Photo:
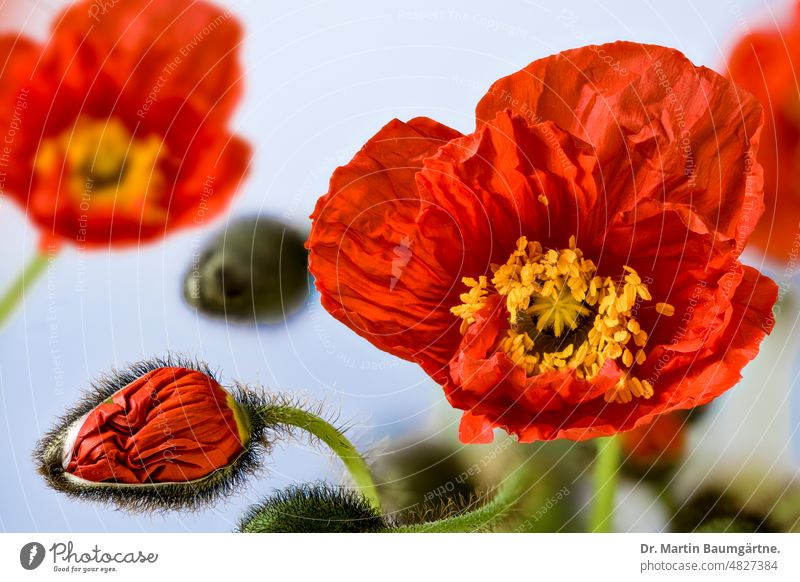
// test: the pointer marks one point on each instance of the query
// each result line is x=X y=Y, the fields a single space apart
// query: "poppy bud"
x=715 y=512
x=161 y=435
x=314 y=509
x=255 y=270
x=165 y=434
x=428 y=478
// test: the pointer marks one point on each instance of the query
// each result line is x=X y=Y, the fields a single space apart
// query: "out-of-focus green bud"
x=314 y=509
x=418 y=479
x=435 y=478
x=715 y=512
x=256 y=270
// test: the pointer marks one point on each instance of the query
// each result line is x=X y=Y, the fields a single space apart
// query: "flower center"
x=101 y=160
x=562 y=315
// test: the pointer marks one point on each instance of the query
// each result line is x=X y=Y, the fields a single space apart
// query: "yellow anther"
x=613 y=351
x=619 y=393
x=640 y=339
x=627 y=357
x=580 y=355
x=627 y=388
x=472 y=301
x=665 y=309
x=648 y=389
x=622 y=336
x=635 y=386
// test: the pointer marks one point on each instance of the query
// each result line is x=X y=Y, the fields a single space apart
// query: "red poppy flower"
x=114 y=130
x=171 y=425
x=570 y=269
x=767 y=63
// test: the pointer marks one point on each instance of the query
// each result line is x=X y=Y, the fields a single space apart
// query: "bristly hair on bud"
x=314 y=508
x=51 y=454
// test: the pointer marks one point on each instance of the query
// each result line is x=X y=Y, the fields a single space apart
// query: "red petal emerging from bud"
x=171 y=425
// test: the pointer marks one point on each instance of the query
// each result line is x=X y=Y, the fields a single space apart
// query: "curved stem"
x=331 y=436
x=19 y=287
x=477 y=520
x=605 y=484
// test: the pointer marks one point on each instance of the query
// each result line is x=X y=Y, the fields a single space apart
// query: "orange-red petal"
x=493 y=185
x=647 y=108
x=767 y=63
x=156 y=53
x=373 y=242
x=171 y=425
x=723 y=311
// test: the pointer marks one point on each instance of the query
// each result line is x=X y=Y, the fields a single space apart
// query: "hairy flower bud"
x=160 y=435
x=314 y=509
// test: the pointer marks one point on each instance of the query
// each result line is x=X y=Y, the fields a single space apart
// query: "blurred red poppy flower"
x=658 y=444
x=171 y=425
x=570 y=269
x=767 y=63
x=115 y=127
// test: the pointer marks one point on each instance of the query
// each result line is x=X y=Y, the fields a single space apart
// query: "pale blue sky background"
x=323 y=76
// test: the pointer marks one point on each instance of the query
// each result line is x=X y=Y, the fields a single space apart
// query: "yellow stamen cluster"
x=103 y=161
x=556 y=296
x=471 y=302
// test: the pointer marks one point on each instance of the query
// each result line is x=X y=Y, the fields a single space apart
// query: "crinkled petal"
x=650 y=113
x=511 y=179
x=382 y=260
x=486 y=384
x=170 y=425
